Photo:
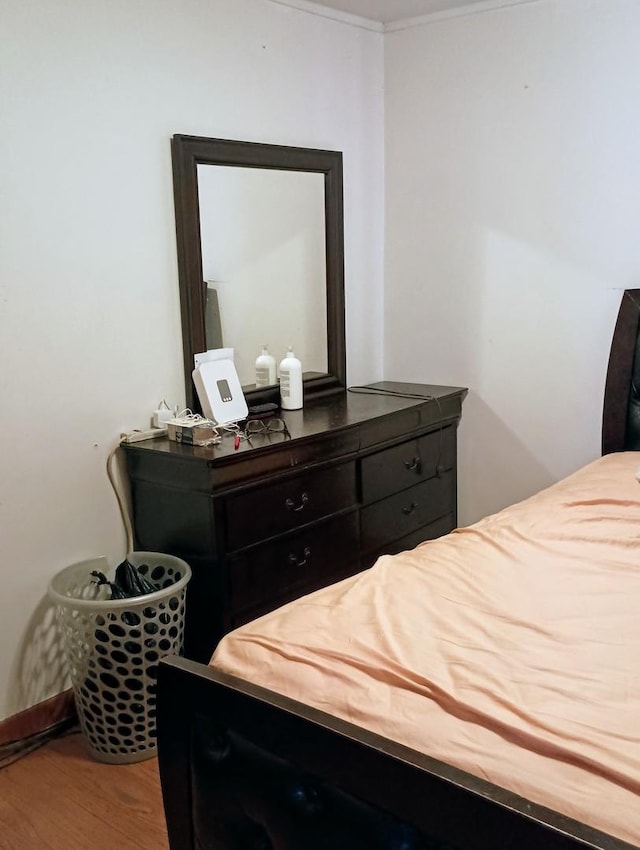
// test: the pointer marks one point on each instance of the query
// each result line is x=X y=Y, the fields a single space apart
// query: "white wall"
x=89 y=314
x=512 y=210
x=513 y=197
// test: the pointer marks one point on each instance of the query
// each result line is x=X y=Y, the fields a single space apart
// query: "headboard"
x=621 y=409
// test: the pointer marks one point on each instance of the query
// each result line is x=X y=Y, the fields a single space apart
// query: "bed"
x=426 y=704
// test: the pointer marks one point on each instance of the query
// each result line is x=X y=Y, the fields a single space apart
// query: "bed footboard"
x=242 y=767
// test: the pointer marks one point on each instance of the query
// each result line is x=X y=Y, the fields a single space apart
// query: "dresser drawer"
x=265 y=512
x=404 y=513
x=294 y=564
x=437 y=528
x=402 y=466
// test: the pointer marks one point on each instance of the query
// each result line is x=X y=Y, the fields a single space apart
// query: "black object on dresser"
x=360 y=474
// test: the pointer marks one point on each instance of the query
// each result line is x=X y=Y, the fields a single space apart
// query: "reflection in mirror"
x=262 y=234
x=288 y=234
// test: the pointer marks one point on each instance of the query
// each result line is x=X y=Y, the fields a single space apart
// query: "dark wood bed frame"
x=242 y=767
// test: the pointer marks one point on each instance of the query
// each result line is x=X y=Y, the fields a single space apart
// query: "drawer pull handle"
x=410 y=509
x=291 y=505
x=294 y=561
x=416 y=464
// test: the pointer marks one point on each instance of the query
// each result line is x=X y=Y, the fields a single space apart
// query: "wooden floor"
x=58 y=798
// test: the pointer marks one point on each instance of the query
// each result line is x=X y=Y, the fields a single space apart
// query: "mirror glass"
x=261 y=258
x=262 y=233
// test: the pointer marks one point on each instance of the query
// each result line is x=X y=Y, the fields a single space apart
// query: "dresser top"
x=365 y=415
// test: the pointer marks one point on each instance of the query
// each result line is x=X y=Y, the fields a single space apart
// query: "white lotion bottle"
x=265 y=369
x=290 y=382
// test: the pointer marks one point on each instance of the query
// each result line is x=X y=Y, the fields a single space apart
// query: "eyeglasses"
x=266 y=426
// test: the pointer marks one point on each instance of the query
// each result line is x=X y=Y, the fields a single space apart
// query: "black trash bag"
x=132 y=581
x=117 y=592
x=127 y=584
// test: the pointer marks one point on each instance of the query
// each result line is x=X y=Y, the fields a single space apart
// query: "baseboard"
x=39 y=717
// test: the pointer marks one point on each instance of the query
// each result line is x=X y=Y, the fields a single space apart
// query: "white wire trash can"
x=113 y=647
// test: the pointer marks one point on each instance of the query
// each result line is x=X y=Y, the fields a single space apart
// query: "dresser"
x=359 y=474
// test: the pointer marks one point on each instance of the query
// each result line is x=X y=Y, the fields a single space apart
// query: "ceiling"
x=388 y=11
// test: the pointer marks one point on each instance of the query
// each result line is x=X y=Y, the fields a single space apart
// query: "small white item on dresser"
x=162 y=415
x=219 y=391
x=291 y=382
x=265 y=368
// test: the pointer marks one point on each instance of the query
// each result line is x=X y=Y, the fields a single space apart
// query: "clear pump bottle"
x=290 y=382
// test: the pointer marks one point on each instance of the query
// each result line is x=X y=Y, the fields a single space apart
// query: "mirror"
x=261 y=258
x=264 y=255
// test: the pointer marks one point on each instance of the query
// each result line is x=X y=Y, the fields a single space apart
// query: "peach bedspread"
x=510 y=649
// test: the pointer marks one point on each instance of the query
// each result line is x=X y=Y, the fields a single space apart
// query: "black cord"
x=383 y=391
x=365 y=390
x=12 y=751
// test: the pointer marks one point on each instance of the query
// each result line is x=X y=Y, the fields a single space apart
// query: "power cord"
x=122 y=505
x=13 y=751
x=369 y=390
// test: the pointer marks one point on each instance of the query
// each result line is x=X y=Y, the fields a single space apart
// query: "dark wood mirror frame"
x=190 y=151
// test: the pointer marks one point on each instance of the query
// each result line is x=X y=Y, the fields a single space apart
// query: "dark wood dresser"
x=360 y=474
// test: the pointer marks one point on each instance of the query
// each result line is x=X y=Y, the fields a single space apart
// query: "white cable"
x=124 y=512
